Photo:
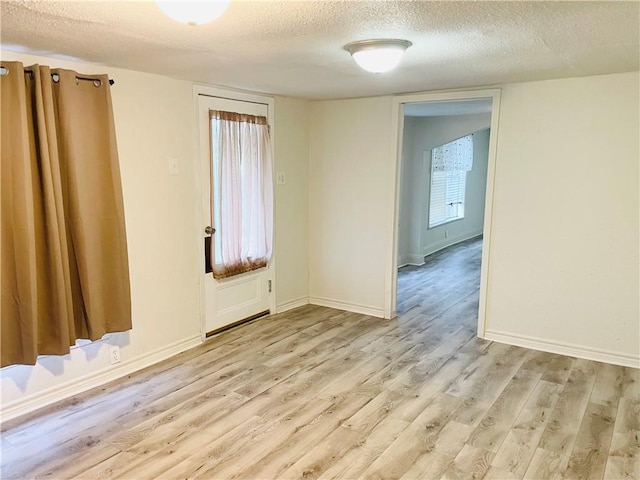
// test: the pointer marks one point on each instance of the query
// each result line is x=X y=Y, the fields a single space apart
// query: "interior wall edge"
x=433 y=248
x=563 y=348
x=291 y=304
x=410 y=259
x=346 y=306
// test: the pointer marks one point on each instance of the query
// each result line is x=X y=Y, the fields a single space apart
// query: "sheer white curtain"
x=242 y=193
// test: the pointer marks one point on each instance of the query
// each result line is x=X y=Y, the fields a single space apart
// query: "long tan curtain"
x=242 y=193
x=65 y=273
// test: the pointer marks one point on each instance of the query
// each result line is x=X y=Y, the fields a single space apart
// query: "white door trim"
x=243 y=97
x=397 y=126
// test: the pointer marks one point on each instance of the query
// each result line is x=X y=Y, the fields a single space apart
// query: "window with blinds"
x=449 y=166
x=447 y=197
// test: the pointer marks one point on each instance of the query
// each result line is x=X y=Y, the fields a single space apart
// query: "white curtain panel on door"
x=454 y=156
x=242 y=193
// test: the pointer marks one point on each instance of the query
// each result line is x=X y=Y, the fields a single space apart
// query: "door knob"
x=209 y=230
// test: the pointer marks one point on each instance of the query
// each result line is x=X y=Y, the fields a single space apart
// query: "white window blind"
x=447 y=192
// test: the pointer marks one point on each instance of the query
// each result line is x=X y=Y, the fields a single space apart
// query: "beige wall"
x=350 y=202
x=154 y=120
x=564 y=257
x=291 y=144
x=563 y=262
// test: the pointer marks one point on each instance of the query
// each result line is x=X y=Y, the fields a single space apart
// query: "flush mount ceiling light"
x=378 y=56
x=193 y=12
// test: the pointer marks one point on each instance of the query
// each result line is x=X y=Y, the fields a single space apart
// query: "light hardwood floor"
x=320 y=393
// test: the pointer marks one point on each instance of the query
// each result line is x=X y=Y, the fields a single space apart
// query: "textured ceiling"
x=294 y=48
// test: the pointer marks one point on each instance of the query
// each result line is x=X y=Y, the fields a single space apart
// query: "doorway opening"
x=446 y=164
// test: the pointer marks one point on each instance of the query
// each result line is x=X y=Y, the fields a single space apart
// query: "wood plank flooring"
x=320 y=393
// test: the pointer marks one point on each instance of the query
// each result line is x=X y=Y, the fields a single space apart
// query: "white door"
x=232 y=300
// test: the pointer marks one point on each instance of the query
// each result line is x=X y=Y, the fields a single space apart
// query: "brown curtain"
x=65 y=271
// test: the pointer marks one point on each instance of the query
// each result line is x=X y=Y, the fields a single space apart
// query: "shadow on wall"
x=58 y=365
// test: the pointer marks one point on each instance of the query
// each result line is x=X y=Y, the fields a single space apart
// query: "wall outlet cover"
x=114 y=354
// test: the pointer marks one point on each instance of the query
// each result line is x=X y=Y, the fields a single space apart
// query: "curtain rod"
x=54 y=75
x=4 y=71
x=111 y=81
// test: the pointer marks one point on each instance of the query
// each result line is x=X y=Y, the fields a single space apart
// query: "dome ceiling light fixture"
x=193 y=12
x=378 y=56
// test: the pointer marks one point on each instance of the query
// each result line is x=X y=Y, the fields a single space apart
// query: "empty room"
x=320 y=239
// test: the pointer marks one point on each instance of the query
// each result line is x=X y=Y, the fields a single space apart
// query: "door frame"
x=397 y=128
x=240 y=96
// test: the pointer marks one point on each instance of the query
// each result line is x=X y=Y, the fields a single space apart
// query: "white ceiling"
x=294 y=48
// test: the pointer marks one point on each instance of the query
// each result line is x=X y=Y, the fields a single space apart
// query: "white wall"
x=564 y=255
x=291 y=143
x=154 y=120
x=415 y=239
x=563 y=262
x=563 y=268
x=350 y=203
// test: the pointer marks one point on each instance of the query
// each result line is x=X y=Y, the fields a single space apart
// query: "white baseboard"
x=447 y=242
x=415 y=260
x=68 y=389
x=349 y=307
x=290 y=305
x=571 y=350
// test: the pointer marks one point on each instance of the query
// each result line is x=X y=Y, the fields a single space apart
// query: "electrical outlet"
x=114 y=354
x=446 y=234
x=281 y=178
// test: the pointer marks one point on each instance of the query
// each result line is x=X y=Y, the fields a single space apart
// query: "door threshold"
x=238 y=323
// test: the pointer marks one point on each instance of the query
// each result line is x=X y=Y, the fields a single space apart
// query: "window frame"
x=447 y=220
